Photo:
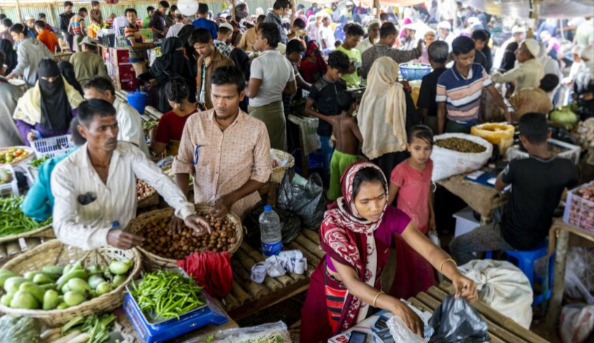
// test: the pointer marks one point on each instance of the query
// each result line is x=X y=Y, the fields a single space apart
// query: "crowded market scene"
x=275 y=171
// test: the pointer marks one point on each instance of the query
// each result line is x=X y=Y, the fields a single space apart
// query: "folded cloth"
x=291 y=261
x=211 y=270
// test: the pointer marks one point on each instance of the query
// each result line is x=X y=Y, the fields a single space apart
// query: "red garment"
x=414 y=273
x=354 y=242
x=171 y=127
x=313 y=67
x=211 y=270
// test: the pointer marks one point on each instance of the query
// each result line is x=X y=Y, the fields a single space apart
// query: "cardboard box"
x=119 y=55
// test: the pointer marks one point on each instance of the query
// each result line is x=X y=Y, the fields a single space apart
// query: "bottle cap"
x=115 y=224
x=267 y=208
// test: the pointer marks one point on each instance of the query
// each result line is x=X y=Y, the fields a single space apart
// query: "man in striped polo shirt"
x=460 y=88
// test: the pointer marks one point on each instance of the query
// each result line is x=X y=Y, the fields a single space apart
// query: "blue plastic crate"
x=414 y=71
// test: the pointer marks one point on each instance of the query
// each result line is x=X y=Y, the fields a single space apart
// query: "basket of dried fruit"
x=162 y=247
x=281 y=161
x=457 y=153
x=146 y=195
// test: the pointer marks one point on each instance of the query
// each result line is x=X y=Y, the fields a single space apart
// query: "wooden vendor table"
x=481 y=199
x=559 y=241
x=248 y=297
x=501 y=328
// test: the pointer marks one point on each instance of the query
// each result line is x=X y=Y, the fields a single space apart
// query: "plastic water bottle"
x=270 y=232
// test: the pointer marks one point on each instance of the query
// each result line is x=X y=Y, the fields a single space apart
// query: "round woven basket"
x=45 y=232
x=152 y=261
x=55 y=253
x=148 y=199
x=279 y=172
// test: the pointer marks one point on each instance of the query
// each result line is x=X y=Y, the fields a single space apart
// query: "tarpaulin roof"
x=548 y=8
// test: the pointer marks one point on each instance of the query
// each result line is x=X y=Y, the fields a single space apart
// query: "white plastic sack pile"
x=401 y=333
x=577 y=323
x=448 y=162
x=502 y=286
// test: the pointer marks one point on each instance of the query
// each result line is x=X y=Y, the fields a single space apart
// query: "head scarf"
x=11 y=55
x=55 y=108
x=349 y=239
x=67 y=70
x=171 y=63
x=382 y=113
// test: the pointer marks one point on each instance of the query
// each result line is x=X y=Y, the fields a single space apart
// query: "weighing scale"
x=151 y=330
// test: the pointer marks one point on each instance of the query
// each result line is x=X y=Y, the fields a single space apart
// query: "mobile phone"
x=381 y=324
x=358 y=337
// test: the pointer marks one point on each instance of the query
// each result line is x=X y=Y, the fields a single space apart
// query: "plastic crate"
x=572 y=153
x=53 y=146
x=579 y=212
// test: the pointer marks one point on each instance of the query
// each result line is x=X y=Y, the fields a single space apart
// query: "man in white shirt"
x=95 y=186
x=327 y=39
x=30 y=52
x=373 y=29
x=175 y=28
x=129 y=121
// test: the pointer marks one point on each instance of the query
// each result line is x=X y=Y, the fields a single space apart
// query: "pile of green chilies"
x=12 y=219
x=167 y=294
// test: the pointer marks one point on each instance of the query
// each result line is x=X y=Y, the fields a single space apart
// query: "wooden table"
x=559 y=241
x=481 y=199
x=248 y=297
x=501 y=328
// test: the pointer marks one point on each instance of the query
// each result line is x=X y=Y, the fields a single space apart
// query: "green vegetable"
x=65 y=289
x=62 y=306
x=5 y=274
x=118 y=280
x=98 y=327
x=94 y=270
x=37 y=162
x=42 y=278
x=73 y=298
x=76 y=321
x=566 y=116
x=30 y=275
x=34 y=290
x=12 y=219
x=95 y=280
x=19 y=329
x=68 y=337
x=167 y=294
x=50 y=300
x=103 y=288
x=57 y=270
x=24 y=300
x=120 y=267
x=74 y=273
x=11 y=285
x=6 y=299
x=78 y=285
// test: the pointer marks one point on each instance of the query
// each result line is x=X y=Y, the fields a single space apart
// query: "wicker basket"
x=45 y=232
x=153 y=262
x=54 y=252
x=279 y=172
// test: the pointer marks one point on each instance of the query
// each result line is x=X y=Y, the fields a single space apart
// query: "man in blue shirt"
x=203 y=22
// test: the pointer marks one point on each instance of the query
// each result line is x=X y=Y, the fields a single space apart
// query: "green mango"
x=11 y=285
x=42 y=278
x=78 y=285
x=50 y=300
x=62 y=306
x=33 y=289
x=6 y=299
x=4 y=275
x=24 y=300
x=73 y=298
x=95 y=280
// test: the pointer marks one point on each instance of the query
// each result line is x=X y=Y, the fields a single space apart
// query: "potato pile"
x=163 y=242
x=461 y=145
x=143 y=189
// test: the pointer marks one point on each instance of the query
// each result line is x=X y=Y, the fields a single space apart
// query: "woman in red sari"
x=356 y=236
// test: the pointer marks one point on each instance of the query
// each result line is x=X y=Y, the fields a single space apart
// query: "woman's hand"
x=464 y=287
x=408 y=317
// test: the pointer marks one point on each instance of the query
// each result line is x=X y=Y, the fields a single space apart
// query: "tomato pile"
x=12 y=155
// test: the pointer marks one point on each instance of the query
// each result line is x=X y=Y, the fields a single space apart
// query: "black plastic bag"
x=291 y=225
x=307 y=200
x=455 y=321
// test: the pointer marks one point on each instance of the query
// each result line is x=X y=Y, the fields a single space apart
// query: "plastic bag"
x=502 y=286
x=401 y=333
x=290 y=230
x=449 y=162
x=303 y=197
x=579 y=274
x=274 y=332
x=455 y=321
x=577 y=323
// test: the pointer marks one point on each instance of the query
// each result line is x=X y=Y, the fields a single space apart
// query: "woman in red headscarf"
x=356 y=236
